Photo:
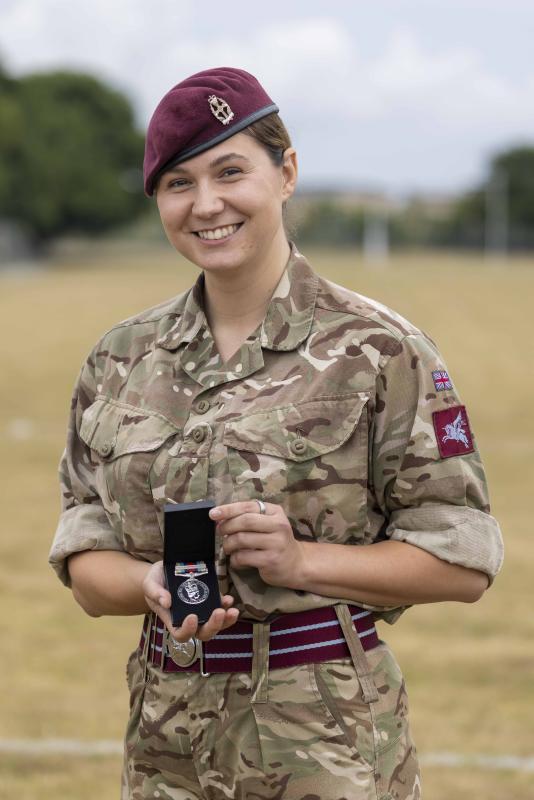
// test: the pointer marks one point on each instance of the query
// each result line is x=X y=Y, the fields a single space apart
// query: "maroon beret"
x=200 y=112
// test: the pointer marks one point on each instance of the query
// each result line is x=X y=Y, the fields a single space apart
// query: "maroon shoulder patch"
x=453 y=432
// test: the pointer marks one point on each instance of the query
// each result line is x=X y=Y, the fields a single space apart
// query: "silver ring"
x=261 y=505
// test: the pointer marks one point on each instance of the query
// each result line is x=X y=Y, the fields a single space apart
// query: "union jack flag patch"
x=441 y=380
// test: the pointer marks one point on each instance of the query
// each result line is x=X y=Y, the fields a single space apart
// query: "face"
x=222 y=210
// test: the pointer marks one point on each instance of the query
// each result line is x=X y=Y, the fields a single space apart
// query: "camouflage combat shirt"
x=328 y=409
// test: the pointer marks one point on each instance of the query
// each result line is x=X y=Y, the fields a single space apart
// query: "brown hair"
x=272 y=134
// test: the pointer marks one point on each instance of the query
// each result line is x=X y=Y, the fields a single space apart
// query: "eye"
x=230 y=171
x=177 y=183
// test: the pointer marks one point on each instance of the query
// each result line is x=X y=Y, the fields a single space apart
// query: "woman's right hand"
x=158 y=599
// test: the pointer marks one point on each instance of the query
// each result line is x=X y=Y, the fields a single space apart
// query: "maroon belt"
x=304 y=637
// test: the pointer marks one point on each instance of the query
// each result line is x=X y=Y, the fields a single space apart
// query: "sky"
x=393 y=95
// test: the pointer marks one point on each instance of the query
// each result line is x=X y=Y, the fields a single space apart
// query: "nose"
x=207 y=201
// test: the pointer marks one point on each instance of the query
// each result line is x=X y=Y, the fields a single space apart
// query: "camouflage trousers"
x=312 y=736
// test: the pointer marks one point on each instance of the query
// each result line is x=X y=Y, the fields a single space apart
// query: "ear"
x=289 y=172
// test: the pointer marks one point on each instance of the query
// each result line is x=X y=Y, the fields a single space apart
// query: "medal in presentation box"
x=189 y=560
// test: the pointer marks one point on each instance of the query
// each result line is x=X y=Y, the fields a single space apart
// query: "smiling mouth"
x=218 y=233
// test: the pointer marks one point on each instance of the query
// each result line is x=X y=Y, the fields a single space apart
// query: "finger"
x=230 y=510
x=246 y=540
x=165 y=617
x=250 y=558
x=190 y=627
x=247 y=521
x=212 y=627
x=157 y=593
x=156 y=569
x=155 y=575
x=186 y=630
x=231 y=618
x=218 y=620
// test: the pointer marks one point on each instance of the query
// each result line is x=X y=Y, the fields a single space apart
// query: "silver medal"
x=192 y=591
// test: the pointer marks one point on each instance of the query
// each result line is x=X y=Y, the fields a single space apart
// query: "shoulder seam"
x=127 y=322
x=400 y=340
x=395 y=333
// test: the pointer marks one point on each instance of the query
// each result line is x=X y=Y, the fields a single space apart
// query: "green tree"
x=70 y=155
x=328 y=223
x=465 y=226
x=11 y=131
x=517 y=170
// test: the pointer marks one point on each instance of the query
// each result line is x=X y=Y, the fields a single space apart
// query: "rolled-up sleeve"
x=83 y=523
x=433 y=494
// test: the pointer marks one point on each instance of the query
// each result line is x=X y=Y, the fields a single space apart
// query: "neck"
x=238 y=300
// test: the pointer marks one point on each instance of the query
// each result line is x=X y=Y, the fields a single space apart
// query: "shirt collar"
x=182 y=326
x=290 y=312
x=288 y=319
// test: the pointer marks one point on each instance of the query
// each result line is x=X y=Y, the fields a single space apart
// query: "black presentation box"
x=189 y=549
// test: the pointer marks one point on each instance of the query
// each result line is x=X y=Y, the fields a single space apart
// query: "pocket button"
x=199 y=434
x=202 y=406
x=298 y=447
x=106 y=449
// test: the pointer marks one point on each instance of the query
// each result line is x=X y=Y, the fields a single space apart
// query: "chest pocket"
x=124 y=444
x=309 y=457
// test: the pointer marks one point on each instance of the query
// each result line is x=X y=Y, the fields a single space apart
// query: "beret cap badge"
x=182 y=127
x=220 y=109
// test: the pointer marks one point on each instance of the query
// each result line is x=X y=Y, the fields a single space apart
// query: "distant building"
x=367 y=217
x=344 y=198
x=433 y=203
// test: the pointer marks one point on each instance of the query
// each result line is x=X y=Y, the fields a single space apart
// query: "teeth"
x=218 y=233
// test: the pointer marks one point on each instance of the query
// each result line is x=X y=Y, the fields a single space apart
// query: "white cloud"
x=453 y=87
x=406 y=69
x=116 y=40
x=295 y=59
x=402 y=93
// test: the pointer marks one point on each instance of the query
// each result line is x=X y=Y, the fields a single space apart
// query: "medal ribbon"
x=191 y=569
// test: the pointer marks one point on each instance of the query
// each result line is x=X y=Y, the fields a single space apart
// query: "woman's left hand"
x=264 y=541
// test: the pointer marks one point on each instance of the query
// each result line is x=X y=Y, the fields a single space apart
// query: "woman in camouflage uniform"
x=319 y=421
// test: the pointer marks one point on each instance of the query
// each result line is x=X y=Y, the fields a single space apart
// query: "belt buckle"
x=184 y=654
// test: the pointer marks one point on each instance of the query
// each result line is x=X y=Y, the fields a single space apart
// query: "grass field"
x=469 y=668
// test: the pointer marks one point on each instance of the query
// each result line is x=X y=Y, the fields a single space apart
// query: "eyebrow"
x=216 y=162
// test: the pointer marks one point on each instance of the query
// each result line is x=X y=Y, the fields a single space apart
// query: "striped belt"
x=303 y=637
